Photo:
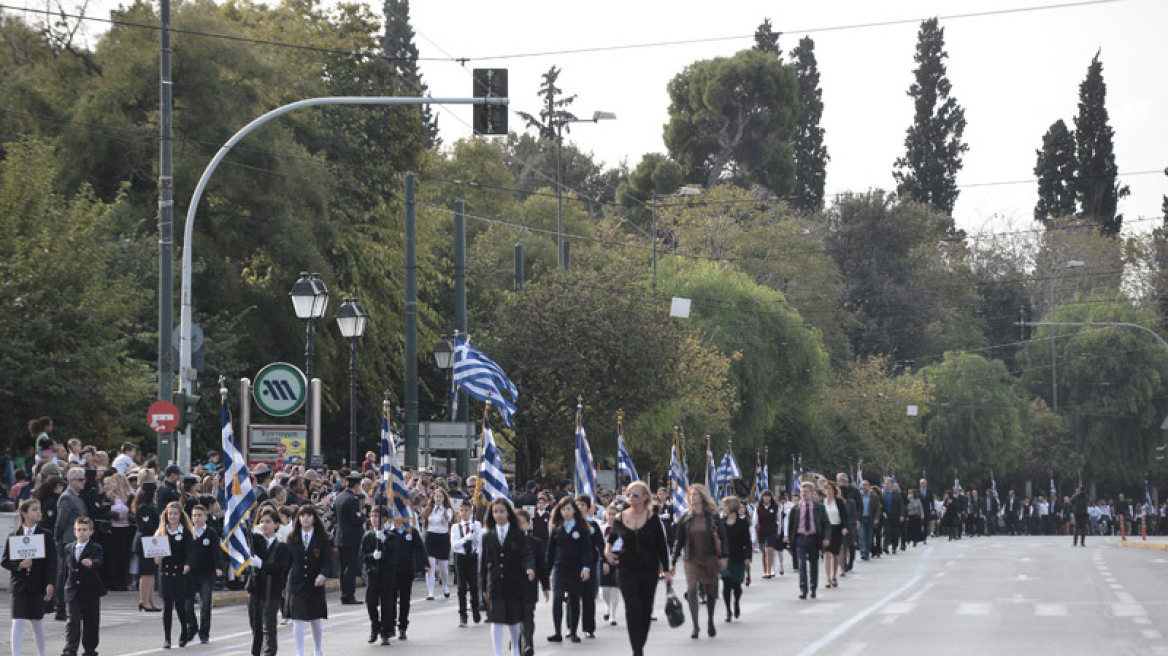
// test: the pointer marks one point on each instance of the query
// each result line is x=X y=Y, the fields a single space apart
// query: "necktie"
x=807 y=518
x=465 y=533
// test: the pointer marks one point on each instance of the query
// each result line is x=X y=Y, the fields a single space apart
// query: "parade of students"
x=270 y=563
x=532 y=586
x=33 y=579
x=84 y=589
x=837 y=531
x=205 y=557
x=311 y=565
x=738 y=551
x=569 y=556
x=378 y=556
x=700 y=538
x=172 y=570
x=465 y=543
x=506 y=562
x=436 y=519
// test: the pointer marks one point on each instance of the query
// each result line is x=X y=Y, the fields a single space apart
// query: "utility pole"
x=165 y=447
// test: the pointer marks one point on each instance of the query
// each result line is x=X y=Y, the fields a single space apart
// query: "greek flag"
x=585 y=478
x=728 y=470
x=391 y=474
x=1148 y=505
x=678 y=483
x=796 y=477
x=993 y=485
x=859 y=473
x=492 y=481
x=481 y=378
x=712 y=475
x=239 y=494
x=1053 y=489
x=624 y=461
x=956 y=481
x=760 y=480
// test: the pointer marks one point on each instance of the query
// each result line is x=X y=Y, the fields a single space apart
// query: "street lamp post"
x=310 y=299
x=684 y=191
x=1072 y=264
x=351 y=319
x=444 y=358
x=596 y=118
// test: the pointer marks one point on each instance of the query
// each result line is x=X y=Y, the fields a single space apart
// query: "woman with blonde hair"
x=701 y=537
x=172 y=570
x=436 y=519
x=119 y=544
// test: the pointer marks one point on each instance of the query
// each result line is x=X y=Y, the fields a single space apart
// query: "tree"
x=397 y=45
x=766 y=39
x=1055 y=171
x=732 y=119
x=810 y=152
x=928 y=171
x=1096 y=188
x=554 y=113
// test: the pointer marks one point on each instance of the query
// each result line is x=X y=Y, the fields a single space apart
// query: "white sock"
x=497 y=638
x=317 y=635
x=514 y=629
x=444 y=574
x=17 y=636
x=298 y=636
x=430 y=577
x=38 y=635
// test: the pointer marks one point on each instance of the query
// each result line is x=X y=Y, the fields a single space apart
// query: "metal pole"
x=352 y=402
x=165 y=444
x=411 y=325
x=654 y=237
x=1053 y=350
x=560 y=194
x=309 y=352
x=459 y=408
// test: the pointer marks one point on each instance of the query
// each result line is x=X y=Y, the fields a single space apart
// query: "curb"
x=237 y=597
x=1150 y=546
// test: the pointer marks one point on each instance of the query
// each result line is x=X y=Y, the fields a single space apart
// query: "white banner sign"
x=21 y=547
x=155 y=546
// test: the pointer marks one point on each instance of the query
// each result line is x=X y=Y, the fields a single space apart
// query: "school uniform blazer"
x=43 y=570
x=308 y=562
x=204 y=554
x=504 y=566
x=411 y=553
x=542 y=571
x=570 y=552
x=84 y=582
x=385 y=569
x=268 y=580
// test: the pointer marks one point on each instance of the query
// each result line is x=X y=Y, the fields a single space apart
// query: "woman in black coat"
x=270 y=562
x=32 y=579
x=570 y=555
x=311 y=558
x=172 y=570
x=507 y=562
x=146 y=517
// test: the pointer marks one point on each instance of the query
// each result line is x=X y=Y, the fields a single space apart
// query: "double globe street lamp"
x=351 y=319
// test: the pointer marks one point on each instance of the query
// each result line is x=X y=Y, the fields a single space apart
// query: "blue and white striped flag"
x=585 y=476
x=956 y=481
x=759 y=481
x=1053 y=489
x=481 y=378
x=624 y=460
x=712 y=475
x=728 y=470
x=240 y=496
x=993 y=485
x=678 y=483
x=397 y=501
x=1149 y=506
x=492 y=480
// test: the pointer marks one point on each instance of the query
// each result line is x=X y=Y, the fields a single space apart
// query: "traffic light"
x=188 y=409
x=490 y=83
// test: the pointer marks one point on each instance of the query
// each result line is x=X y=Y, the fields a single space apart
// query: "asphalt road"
x=1017 y=595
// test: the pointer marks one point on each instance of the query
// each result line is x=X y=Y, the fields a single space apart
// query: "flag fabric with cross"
x=239 y=494
x=678 y=485
x=624 y=461
x=585 y=474
x=481 y=378
x=728 y=470
x=392 y=479
x=492 y=481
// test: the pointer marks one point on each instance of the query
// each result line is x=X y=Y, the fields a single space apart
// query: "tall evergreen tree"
x=766 y=38
x=1096 y=188
x=1055 y=171
x=398 y=46
x=554 y=111
x=928 y=171
x=810 y=152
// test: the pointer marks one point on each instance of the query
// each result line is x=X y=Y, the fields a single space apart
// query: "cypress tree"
x=1096 y=187
x=810 y=152
x=928 y=171
x=1055 y=171
x=766 y=38
x=398 y=46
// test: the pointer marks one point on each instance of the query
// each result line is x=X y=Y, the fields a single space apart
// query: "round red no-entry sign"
x=162 y=416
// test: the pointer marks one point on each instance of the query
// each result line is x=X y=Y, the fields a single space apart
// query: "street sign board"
x=271 y=435
x=280 y=389
x=162 y=416
x=446 y=435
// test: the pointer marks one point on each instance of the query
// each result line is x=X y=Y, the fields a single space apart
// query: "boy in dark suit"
x=378 y=555
x=84 y=589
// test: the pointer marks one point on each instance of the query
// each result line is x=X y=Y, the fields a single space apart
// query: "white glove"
x=377 y=554
x=257 y=562
x=380 y=534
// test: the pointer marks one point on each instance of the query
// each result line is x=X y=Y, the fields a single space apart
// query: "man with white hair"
x=69 y=507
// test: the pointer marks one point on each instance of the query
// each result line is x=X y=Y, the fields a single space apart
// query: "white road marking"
x=1128 y=610
x=820 y=609
x=916 y=596
x=898 y=608
x=973 y=609
x=1151 y=634
x=1141 y=620
x=890 y=619
x=950 y=563
x=1125 y=598
x=233 y=649
x=854 y=649
x=1050 y=610
x=939 y=574
x=1116 y=586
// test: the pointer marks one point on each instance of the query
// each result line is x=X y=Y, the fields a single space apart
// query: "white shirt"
x=463 y=533
x=78 y=549
x=833 y=515
x=306 y=536
x=122 y=463
x=501 y=531
x=439 y=520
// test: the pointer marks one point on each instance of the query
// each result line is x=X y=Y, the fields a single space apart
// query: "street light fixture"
x=596 y=118
x=310 y=299
x=684 y=191
x=351 y=319
x=444 y=358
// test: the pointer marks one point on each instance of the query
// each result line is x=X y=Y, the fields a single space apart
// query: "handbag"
x=673 y=610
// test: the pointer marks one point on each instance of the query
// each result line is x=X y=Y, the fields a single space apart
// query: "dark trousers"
x=892 y=534
x=200 y=623
x=527 y=628
x=118 y=549
x=878 y=538
x=350 y=566
x=84 y=622
x=807 y=556
x=466 y=572
x=566 y=593
x=1081 y=525
x=637 y=593
x=178 y=607
x=62 y=579
x=913 y=530
x=588 y=591
x=399 y=602
x=379 y=605
x=261 y=613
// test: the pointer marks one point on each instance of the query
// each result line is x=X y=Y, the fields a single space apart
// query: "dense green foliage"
x=1096 y=187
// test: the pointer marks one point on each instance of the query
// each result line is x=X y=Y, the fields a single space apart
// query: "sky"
x=1015 y=73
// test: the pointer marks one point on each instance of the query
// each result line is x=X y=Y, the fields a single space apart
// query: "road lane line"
x=842 y=628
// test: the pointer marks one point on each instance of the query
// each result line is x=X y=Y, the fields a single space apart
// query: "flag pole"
x=620 y=421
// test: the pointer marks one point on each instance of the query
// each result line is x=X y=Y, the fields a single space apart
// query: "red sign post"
x=162 y=416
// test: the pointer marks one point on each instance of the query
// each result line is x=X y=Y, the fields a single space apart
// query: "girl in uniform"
x=766 y=527
x=507 y=562
x=32 y=579
x=270 y=562
x=311 y=564
x=172 y=570
x=436 y=520
x=570 y=556
x=738 y=551
x=146 y=517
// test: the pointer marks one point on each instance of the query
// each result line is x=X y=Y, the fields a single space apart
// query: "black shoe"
x=462 y=621
x=204 y=641
x=385 y=640
x=695 y=634
x=728 y=616
x=574 y=638
x=373 y=636
x=589 y=634
x=530 y=651
x=166 y=645
x=813 y=594
x=711 y=630
x=401 y=635
x=802 y=595
x=61 y=617
x=556 y=638
x=606 y=617
x=477 y=618
x=182 y=643
x=737 y=609
x=351 y=601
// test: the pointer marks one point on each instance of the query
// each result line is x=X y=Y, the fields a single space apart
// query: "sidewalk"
x=1158 y=543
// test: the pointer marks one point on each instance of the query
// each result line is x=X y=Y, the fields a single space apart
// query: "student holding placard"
x=172 y=570
x=32 y=577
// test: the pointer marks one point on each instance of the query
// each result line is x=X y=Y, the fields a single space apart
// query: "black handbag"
x=673 y=609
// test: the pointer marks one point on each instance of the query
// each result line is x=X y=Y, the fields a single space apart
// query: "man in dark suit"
x=168 y=490
x=350 y=522
x=807 y=524
x=929 y=524
x=69 y=507
x=1013 y=510
x=990 y=508
x=869 y=512
x=84 y=589
x=893 y=516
